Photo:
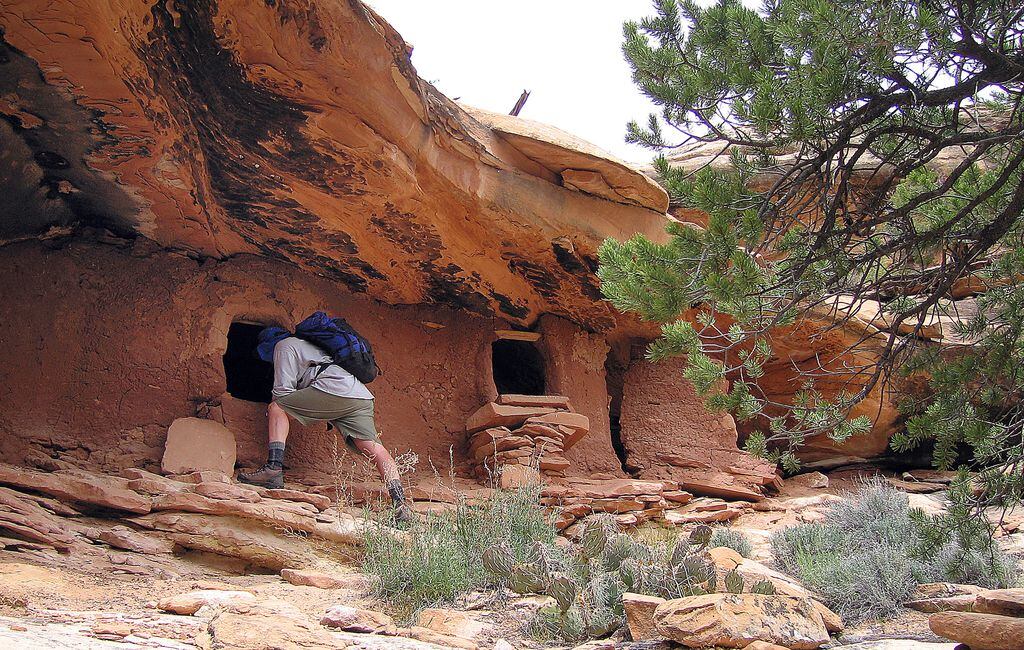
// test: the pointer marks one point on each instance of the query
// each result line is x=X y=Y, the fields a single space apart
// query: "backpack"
x=346 y=346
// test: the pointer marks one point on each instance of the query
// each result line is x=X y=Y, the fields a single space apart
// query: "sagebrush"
x=441 y=559
x=870 y=552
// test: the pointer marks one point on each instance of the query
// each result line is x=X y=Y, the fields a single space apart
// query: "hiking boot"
x=265 y=476
x=405 y=516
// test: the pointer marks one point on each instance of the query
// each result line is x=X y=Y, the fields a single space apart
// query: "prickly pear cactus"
x=527 y=579
x=701 y=536
x=763 y=587
x=593 y=541
x=564 y=591
x=498 y=560
x=734 y=582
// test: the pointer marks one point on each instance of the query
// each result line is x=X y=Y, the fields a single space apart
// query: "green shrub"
x=871 y=551
x=442 y=558
x=733 y=539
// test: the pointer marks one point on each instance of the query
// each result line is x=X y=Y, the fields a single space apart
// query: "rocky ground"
x=144 y=561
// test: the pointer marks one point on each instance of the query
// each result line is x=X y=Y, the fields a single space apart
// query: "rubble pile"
x=523 y=431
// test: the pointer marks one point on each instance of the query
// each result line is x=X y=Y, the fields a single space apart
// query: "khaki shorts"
x=352 y=417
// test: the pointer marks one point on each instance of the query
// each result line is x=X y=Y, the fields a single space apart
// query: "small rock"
x=189 y=603
x=353 y=619
x=111 y=629
x=502 y=644
x=764 y=645
x=307 y=578
x=450 y=622
x=445 y=641
x=812 y=480
x=640 y=615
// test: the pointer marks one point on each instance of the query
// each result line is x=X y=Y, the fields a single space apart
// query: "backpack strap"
x=320 y=367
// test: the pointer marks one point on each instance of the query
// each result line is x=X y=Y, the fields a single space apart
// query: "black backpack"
x=347 y=347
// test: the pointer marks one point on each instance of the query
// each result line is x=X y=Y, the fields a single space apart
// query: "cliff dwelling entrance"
x=248 y=377
x=518 y=367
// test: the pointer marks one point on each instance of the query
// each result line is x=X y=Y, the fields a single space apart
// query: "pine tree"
x=829 y=113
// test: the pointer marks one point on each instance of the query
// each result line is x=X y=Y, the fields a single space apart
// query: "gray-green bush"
x=734 y=539
x=870 y=552
x=441 y=559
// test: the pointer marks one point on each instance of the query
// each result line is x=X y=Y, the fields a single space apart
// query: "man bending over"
x=310 y=388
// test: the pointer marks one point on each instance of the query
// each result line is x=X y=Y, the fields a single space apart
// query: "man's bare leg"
x=271 y=475
x=388 y=471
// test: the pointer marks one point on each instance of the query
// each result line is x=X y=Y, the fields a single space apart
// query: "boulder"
x=640 y=615
x=1007 y=602
x=736 y=620
x=764 y=645
x=498 y=415
x=77 y=486
x=195 y=444
x=450 y=622
x=979 y=631
x=189 y=603
x=267 y=625
x=354 y=619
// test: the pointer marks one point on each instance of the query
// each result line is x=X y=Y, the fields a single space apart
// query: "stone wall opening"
x=615 y=374
x=518 y=368
x=248 y=377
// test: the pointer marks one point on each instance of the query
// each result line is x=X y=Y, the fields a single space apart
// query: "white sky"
x=566 y=52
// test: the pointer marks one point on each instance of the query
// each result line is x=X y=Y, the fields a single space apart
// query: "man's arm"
x=286 y=370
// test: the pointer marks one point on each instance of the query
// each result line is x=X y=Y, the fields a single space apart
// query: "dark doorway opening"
x=518 y=368
x=615 y=379
x=248 y=377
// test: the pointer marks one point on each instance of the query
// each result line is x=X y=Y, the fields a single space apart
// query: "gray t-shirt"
x=292 y=371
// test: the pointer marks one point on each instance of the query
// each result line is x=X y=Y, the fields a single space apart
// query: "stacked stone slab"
x=633 y=502
x=523 y=431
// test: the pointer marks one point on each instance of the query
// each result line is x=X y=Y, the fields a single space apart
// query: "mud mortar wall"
x=668 y=434
x=104 y=345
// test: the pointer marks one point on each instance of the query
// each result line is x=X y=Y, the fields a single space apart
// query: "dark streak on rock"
x=408 y=233
x=37 y=160
x=445 y=286
x=246 y=132
x=541 y=279
x=508 y=306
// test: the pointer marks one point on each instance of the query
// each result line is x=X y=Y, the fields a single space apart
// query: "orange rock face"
x=299 y=132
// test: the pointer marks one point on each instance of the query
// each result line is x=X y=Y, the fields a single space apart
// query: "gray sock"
x=395 y=490
x=275 y=457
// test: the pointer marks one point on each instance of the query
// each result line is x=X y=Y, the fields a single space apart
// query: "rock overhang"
x=301 y=132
